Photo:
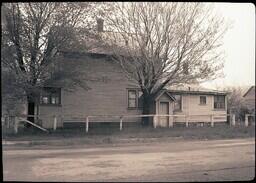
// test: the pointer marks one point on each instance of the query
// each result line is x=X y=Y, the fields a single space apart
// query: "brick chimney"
x=100 y=23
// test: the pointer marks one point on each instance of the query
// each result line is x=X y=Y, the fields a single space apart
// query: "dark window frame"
x=132 y=90
x=219 y=102
x=138 y=100
x=51 y=93
x=202 y=102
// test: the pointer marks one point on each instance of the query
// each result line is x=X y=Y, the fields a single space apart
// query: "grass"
x=108 y=135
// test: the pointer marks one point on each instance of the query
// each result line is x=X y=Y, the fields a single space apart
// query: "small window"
x=51 y=96
x=131 y=98
x=202 y=100
x=45 y=99
x=219 y=102
x=178 y=103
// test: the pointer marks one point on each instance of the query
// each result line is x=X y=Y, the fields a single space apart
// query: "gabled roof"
x=252 y=87
x=159 y=94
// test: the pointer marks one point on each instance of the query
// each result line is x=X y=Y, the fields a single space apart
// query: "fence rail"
x=86 y=119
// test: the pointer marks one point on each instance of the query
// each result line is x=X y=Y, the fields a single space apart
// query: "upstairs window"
x=51 y=96
x=202 y=100
x=219 y=102
x=178 y=103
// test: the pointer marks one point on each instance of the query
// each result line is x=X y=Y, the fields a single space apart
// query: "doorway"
x=164 y=109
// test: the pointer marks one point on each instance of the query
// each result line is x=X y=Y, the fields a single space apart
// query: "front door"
x=164 y=109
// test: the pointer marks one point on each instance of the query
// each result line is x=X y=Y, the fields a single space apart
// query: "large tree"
x=165 y=44
x=33 y=36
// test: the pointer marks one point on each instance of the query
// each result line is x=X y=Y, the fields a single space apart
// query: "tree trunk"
x=147 y=104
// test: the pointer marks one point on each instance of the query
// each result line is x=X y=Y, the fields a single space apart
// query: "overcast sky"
x=239 y=45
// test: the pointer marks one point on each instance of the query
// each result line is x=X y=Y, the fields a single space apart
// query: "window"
x=131 y=98
x=178 y=102
x=202 y=100
x=135 y=98
x=219 y=102
x=50 y=96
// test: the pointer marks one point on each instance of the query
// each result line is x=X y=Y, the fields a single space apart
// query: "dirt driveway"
x=212 y=160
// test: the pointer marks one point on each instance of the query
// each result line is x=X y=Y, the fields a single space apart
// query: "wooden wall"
x=191 y=106
x=107 y=96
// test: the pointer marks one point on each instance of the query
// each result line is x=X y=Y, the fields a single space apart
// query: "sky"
x=239 y=46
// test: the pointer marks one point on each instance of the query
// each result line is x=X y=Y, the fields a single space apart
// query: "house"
x=249 y=98
x=112 y=93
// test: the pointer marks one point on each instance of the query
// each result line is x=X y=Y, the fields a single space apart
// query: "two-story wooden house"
x=112 y=93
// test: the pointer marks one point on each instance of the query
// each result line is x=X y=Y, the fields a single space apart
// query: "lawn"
x=133 y=134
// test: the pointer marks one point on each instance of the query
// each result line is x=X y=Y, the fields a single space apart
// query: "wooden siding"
x=191 y=106
x=107 y=96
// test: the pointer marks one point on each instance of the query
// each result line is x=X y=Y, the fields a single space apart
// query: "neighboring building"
x=249 y=97
x=112 y=93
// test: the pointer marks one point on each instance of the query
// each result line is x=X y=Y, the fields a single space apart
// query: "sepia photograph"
x=128 y=91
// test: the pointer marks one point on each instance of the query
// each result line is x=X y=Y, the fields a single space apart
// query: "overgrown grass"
x=146 y=134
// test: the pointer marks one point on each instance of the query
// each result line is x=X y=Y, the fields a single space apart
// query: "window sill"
x=177 y=110
x=201 y=104
x=222 y=109
x=133 y=108
x=51 y=105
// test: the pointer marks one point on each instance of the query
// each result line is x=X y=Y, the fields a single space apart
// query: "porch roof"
x=159 y=94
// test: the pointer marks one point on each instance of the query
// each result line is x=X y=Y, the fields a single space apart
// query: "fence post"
x=170 y=121
x=87 y=124
x=154 y=121
x=246 y=120
x=16 y=123
x=233 y=120
x=121 y=123
x=55 y=123
x=186 y=117
x=212 y=121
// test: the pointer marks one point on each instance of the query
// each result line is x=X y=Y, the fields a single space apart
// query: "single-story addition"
x=112 y=93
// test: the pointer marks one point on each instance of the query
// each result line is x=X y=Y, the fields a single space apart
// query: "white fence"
x=88 y=119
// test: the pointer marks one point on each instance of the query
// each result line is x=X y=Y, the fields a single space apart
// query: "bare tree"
x=236 y=103
x=165 y=44
x=33 y=36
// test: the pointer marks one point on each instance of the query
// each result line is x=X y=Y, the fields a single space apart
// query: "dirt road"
x=212 y=160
